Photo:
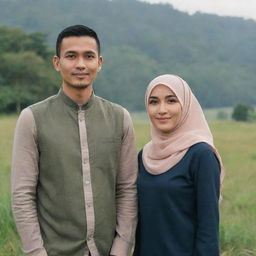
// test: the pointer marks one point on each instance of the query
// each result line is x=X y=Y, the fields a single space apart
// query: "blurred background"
x=214 y=54
x=210 y=44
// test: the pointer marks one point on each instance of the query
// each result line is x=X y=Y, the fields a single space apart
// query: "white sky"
x=239 y=8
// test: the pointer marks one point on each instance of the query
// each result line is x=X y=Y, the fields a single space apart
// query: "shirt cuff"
x=39 y=252
x=120 y=247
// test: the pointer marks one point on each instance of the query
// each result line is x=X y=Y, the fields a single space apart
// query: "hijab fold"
x=166 y=150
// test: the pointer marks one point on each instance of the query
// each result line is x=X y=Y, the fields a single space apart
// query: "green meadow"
x=236 y=143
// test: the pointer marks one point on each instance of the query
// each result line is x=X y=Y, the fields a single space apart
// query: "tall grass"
x=9 y=242
x=236 y=143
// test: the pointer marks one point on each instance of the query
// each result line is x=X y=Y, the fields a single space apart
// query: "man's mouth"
x=80 y=74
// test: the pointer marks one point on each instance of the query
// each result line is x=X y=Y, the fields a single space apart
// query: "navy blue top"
x=178 y=209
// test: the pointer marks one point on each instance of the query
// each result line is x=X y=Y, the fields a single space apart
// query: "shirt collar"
x=73 y=104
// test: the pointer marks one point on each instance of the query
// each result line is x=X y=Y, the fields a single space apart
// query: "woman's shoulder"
x=202 y=156
x=201 y=148
x=201 y=152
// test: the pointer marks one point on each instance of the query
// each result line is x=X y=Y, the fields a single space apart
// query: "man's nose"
x=80 y=63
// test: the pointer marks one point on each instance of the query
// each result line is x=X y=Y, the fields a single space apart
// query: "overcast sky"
x=240 y=8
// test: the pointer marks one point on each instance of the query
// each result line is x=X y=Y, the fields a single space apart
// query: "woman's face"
x=164 y=109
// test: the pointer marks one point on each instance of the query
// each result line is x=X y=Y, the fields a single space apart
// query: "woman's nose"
x=162 y=108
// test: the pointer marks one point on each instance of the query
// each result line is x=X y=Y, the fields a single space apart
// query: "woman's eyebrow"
x=167 y=96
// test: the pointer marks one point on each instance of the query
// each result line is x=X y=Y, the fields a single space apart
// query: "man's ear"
x=56 y=62
x=100 y=62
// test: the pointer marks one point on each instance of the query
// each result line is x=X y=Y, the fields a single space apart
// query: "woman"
x=179 y=176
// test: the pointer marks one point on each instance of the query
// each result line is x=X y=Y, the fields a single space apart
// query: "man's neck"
x=78 y=95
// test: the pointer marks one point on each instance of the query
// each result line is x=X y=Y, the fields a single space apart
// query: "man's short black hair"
x=76 y=30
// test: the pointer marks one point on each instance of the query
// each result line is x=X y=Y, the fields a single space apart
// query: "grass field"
x=236 y=143
x=9 y=242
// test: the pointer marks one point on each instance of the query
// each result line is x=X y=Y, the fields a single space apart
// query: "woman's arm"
x=207 y=186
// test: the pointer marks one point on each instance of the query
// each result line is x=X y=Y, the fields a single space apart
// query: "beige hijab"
x=166 y=150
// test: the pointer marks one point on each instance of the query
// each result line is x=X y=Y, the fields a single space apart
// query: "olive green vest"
x=60 y=197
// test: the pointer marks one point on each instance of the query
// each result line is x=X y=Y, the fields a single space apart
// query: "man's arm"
x=126 y=192
x=24 y=182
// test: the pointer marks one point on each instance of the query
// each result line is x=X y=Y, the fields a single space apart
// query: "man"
x=74 y=162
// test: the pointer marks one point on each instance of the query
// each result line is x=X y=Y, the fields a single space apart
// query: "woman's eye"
x=172 y=100
x=152 y=102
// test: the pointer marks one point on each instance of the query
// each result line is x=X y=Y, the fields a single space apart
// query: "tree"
x=242 y=112
x=26 y=77
x=125 y=76
x=7 y=99
x=16 y=40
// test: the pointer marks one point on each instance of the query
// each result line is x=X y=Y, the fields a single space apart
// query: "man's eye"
x=70 y=56
x=90 y=56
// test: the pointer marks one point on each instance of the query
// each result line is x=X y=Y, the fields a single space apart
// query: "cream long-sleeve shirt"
x=24 y=180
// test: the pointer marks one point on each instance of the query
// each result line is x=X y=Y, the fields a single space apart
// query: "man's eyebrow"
x=86 y=52
x=67 y=52
x=90 y=52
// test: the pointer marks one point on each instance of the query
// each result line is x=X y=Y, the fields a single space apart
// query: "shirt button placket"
x=89 y=207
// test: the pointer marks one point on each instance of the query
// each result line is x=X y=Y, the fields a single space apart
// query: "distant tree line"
x=25 y=73
x=215 y=55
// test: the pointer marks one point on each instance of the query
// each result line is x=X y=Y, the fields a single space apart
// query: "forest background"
x=215 y=55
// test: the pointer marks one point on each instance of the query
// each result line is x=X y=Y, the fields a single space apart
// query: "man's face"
x=79 y=61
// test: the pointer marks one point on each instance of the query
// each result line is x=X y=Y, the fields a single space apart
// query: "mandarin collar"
x=73 y=104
